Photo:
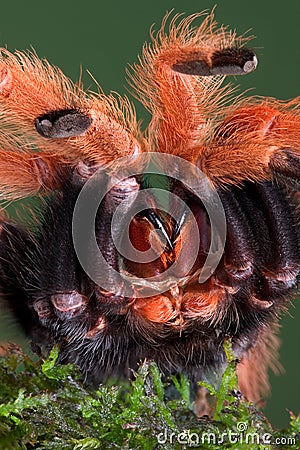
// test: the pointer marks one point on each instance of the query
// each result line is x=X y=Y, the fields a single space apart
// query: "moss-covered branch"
x=45 y=406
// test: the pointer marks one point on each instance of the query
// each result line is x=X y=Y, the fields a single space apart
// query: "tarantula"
x=108 y=189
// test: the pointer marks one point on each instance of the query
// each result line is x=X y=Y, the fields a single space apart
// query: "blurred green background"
x=104 y=37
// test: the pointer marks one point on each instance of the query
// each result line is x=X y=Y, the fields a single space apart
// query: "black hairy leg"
x=16 y=244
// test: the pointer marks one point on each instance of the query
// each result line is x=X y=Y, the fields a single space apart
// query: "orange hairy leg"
x=24 y=170
x=45 y=105
x=179 y=80
x=23 y=174
x=181 y=104
x=253 y=142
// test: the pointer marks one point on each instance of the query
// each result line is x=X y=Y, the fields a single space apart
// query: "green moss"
x=44 y=405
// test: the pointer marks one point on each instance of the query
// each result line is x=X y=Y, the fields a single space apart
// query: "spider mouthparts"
x=158 y=224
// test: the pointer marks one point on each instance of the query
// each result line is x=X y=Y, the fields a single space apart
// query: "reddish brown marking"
x=155 y=309
x=141 y=238
x=202 y=300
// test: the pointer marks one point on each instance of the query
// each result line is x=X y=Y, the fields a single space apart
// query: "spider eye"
x=228 y=61
x=62 y=124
